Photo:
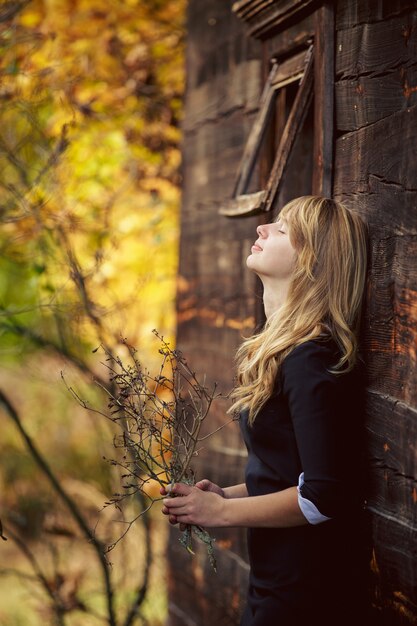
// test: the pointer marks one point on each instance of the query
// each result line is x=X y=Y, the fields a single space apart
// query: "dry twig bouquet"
x=161 y=417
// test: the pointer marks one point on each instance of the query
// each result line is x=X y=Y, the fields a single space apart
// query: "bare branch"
x=161 y=417
x=99 y=548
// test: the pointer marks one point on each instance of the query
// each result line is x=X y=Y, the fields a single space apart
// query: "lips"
x=257 y=246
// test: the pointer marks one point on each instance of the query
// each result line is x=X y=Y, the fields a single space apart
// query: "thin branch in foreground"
x=161 y=417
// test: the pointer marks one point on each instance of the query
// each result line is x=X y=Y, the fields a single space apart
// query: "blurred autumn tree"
x=90 y=107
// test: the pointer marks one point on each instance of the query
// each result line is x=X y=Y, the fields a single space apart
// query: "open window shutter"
x=313 y=67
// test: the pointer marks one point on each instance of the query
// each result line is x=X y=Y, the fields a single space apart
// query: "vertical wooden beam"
x=324 y=42
x=265 y=163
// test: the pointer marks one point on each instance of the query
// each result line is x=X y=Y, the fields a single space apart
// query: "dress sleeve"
x=316 y=403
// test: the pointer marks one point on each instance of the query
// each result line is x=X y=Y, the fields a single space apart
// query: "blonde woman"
x=299 y=404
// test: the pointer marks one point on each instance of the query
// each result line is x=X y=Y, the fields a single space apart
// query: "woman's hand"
x=204 y=485
x=207 y=485
x=164 y=491
x=202 y=504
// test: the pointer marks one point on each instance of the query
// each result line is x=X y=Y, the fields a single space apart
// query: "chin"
x=250 y=264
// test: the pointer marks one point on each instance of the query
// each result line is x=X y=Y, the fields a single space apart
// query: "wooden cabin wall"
x=215 y=293
x=375 y=171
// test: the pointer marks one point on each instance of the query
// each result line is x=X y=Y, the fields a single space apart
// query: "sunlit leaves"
x=105 y=191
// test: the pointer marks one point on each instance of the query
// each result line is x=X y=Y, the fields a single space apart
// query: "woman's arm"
x=208 y=509
x=235 y=491
x=319 y=403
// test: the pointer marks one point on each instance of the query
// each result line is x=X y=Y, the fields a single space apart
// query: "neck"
x=274 y=296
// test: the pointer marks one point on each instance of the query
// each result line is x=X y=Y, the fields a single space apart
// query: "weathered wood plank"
x=388 y=207
x=323 y=100
x=222 y=66
x=221 y=98
x=392 y=433
x=355 y=12
x=394 y=571
x=206 y=181
x=374 y=49
x=382 y=184
x=243 y=206
x=392 y=156
x=390 y=330
x=218 y=595
x=265 y=17
x=368 y=99
x=290 y=70
x=297 y=36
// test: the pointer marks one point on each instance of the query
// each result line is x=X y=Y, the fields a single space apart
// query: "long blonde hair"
x=325 y=296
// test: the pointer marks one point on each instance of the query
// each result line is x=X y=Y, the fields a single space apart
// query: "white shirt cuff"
x=308 y=509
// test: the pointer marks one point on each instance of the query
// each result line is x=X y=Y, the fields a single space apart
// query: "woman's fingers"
x=172 y=518
x=200 y=504
x=207 y=485
x=195 y=506
x=178 y=489
x=173 y=503
x=181 y=489
x=204 y=484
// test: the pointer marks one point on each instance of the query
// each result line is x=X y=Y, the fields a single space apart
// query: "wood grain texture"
x=222 y=66
x=374 y=49
x=296 y=37
x=391 y=154
x=323 y=100
x=390 y=330
x=290 y=69
x=354 y=12
x=207 y=180
x=375 y=152
x=376 y=176
x=207 y=598
x=368 y=99
x=392 y=433
x=264 y=17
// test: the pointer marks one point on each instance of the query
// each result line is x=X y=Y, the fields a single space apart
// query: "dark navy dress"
x=316 y=573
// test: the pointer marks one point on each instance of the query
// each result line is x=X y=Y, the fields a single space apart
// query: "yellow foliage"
x=112 y=75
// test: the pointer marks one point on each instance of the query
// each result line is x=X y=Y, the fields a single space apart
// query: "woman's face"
x=273 y=254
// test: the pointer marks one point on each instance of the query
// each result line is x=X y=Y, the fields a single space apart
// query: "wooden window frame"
x=315 y=69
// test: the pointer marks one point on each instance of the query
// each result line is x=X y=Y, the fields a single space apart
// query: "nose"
x=260 y=230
